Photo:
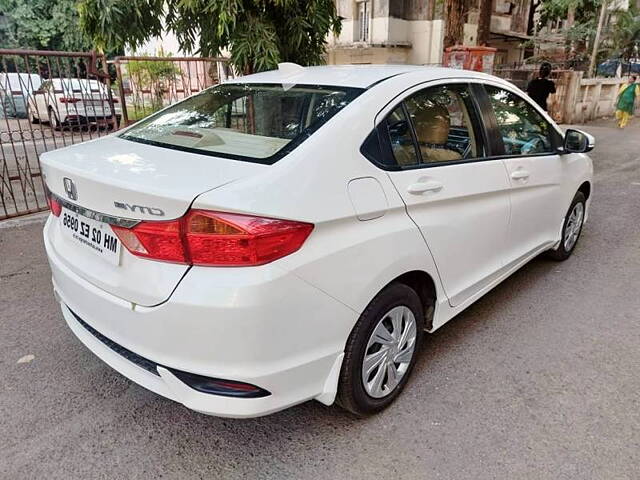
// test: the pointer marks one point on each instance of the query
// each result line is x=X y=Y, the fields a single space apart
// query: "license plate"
x=92 y=235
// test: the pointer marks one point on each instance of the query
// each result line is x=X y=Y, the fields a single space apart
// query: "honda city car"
x=64 y=102
x=291 y=235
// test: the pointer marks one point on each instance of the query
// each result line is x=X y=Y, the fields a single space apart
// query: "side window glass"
x=524 y=131
x=442 y=119
x=400 y=137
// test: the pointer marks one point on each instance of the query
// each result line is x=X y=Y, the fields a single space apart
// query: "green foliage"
x=555 y=9
x=153 y=75
x=148 y=72
x=257 y=33
x=117 y=23
x=625 y=36
x=41 y=24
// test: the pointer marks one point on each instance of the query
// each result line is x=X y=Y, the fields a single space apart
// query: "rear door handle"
x=520 y=174
x=423 y=187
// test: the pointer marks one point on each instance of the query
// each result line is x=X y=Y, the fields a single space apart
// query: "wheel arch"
x=424 y=285
x=585 y=188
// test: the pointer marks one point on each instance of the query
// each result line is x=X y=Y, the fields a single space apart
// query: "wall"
x=399 y=32
x=367 y=55
x=577 y=99
x=427 y=37
x=595 y=97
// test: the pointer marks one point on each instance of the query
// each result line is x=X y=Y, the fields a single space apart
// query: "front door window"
x=523 y=129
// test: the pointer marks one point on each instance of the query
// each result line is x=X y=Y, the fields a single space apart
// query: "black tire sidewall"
x=53 y=120
x=355 y=397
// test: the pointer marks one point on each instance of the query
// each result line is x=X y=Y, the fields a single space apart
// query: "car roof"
x=359 y=76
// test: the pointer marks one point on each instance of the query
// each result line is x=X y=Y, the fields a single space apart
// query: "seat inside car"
x=432 y=125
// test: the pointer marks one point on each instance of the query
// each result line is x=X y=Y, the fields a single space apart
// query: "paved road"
x=538 y=380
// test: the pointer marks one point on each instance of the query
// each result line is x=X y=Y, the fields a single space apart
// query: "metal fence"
x=50 y=100
x=147 y=84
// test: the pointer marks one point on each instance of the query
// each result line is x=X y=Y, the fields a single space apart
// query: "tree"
x=625 y=37
x=152 y=75
x=258 y=33
x=619 y=30
x=484 y=22
x=454 y=13
x=576 y=39
x=41 y=24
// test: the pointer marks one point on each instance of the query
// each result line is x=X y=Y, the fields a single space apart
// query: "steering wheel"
x=532 y=146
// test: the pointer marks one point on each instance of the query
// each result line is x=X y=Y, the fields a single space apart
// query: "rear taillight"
x=69 y=100
x=54 y=204
x=215 y=239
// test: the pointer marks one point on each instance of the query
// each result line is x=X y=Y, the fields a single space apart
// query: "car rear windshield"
x=253 y=122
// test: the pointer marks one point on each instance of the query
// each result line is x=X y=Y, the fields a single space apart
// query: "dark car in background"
x=616 y=67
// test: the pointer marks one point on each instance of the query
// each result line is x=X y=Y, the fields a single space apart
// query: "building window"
x=364 y=19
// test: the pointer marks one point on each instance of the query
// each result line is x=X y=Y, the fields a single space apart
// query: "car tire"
x=33 y=119
x=53 y=120
x=357 y=390
x=571 y=229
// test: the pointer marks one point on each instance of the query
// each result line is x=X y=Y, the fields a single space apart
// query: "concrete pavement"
x=538 y=380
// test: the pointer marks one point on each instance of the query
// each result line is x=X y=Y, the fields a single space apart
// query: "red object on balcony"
x=467 y=57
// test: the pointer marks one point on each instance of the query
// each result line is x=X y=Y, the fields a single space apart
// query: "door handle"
x=423 y=187
x=520 y=174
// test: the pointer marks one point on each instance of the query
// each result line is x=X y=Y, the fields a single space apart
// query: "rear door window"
x=401 y=138
x=434 y=126
x=442 y=119
x=254 y=122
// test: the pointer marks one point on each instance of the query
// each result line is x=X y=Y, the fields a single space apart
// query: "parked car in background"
x=15 y=91
x=616 y=67
x=291 y=235
x=72 y=101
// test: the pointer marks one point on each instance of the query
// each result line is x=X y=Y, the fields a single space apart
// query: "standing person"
x=626 y=101
x=540 y=88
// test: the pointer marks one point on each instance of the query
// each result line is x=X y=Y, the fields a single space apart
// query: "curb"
x=40 y=217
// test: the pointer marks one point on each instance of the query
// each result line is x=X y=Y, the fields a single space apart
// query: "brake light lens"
x=215 y=239
x=54 y=204
x=69 y=100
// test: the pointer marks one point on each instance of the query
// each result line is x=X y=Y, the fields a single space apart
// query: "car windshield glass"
x=255 y=122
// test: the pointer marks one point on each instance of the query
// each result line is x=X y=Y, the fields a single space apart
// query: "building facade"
x=387 y=31
x=407 y=31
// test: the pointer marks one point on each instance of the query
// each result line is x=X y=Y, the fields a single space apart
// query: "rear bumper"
x=267 y=328
x=73 y=119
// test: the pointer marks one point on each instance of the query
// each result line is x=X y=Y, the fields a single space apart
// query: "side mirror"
x=577 y=141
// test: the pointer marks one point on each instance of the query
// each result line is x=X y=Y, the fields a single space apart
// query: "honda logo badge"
x=70 y=188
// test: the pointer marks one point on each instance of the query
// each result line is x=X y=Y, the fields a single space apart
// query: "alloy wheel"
x=389 y=352
x=573 y=226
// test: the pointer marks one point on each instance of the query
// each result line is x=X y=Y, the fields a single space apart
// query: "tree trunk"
x=571 y=16
x=484 y=22
x=454 y=11
x=596 y=41
x=571 y=20
x=431 y=9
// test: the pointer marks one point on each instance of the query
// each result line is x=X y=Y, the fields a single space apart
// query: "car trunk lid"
x=111 y=180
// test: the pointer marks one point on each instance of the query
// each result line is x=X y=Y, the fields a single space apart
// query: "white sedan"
x=291 y=235
x=72 y=101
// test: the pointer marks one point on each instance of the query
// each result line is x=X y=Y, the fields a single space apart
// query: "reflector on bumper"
x=213 y=386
